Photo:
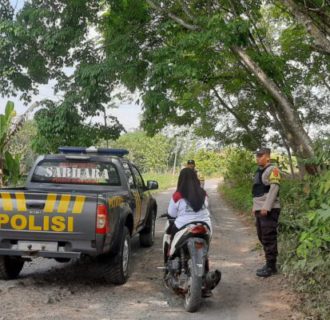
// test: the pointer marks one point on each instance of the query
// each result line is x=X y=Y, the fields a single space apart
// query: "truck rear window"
x=76 y=172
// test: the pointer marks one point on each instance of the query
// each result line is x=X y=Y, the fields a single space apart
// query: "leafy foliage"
x=239 y=167
x=60 y=125
x=194 y=78
x=208 y=162
x=305 y=233
x=11 y=169
x=304 y=227
x=21 y=145
x=42 y=42
x=9 y=165
x=186 y=75
x=148 y=153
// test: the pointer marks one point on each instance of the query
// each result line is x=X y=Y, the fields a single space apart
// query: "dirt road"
x=50 y=290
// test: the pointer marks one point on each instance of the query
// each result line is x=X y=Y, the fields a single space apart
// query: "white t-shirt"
x=179 y=209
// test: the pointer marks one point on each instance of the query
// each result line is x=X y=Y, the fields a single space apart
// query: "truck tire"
x=62 y=260
x=10 y=267
x=147 y=235
x=117 y=269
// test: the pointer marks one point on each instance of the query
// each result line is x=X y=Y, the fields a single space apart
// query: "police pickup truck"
x=81 y=202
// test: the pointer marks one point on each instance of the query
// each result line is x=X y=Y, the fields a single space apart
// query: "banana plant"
x=9 y=126
x=11 y=169
x=6 y=160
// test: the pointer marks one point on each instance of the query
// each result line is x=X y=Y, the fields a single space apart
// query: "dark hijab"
x=190 y=189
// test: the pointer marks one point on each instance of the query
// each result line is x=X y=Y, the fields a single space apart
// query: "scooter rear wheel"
x=193 y=297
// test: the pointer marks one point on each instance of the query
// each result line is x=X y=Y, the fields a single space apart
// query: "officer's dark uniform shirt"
x=265 y=188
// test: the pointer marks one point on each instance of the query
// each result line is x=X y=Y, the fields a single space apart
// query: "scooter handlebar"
x=165 y=215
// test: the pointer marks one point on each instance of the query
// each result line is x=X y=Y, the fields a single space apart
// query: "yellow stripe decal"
x=64 y=203
x=7 y=204
x=50 y=202
x=137 y=208
x=21 y=204
x=78 y=204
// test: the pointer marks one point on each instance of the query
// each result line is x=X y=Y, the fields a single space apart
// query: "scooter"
x=186 y=264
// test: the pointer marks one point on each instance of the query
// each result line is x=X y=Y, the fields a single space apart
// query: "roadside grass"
x=165 y=180
x=239 y=197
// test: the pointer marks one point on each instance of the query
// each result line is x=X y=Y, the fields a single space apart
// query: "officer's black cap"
x=191 y=162
x=262 y=151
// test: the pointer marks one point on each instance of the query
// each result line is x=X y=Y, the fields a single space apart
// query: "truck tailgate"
x=47 y=216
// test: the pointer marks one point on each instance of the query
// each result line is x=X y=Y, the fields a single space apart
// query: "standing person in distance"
x=266 y=209
x=191 y=164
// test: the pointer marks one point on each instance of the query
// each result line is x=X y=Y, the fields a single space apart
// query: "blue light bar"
x=100 y=151
x=72 y=150
x=113 y=152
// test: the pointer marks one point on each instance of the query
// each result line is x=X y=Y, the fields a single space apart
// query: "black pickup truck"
x=83 y=201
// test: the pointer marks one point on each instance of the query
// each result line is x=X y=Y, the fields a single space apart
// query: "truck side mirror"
x=152 y=185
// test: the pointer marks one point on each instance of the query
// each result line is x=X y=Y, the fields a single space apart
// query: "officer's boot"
x=262 y=268
x=267 y=270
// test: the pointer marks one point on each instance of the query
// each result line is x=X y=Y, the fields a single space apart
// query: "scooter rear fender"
x=198 y=251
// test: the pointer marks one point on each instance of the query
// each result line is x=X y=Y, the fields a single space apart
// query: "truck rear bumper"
x=39 y=253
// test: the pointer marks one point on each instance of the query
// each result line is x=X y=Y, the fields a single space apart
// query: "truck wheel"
x=10 y=267
x=117 y=270
x=62 y=260
x=147 y=235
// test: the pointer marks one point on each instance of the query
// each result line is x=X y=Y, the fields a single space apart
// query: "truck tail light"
x=102 y=219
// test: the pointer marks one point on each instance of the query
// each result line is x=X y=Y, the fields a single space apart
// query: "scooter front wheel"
x=193 y=297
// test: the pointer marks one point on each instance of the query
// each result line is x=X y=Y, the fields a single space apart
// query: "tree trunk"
x=1 y=170
x=301 y=140
x=321 y=42
x=290 y=160
x=175 y=157
x=283 y=134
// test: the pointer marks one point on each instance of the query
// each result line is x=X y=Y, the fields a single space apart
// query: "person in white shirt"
x=189 y=203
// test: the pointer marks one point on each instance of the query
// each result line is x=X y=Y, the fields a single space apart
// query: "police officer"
x=266 y=208
x=192 y=165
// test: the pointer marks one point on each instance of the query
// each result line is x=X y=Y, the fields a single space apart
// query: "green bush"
x=208 y=162
x=239 y=197
x=9 y=163
x=148 y=153
x=238 y=170
x=305 y=240
x=239 y=167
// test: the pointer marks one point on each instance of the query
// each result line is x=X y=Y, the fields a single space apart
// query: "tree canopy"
x=241 y=72
x=149 y=154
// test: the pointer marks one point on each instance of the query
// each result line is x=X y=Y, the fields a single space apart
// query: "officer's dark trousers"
x=267 y=233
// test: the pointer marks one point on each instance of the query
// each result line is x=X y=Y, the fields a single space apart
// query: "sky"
x=128 y=114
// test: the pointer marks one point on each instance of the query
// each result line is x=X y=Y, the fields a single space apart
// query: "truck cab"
x=82 y=201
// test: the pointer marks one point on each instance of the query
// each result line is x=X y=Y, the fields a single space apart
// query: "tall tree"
x=196 y=63
x=49 y=40
x=314 y=15
x=212 y=27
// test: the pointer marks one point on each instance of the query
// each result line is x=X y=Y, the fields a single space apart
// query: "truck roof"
x=93 y=150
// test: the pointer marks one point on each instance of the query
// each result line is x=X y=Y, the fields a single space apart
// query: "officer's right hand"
x=263 y=212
